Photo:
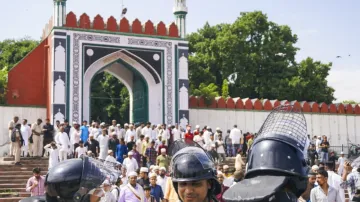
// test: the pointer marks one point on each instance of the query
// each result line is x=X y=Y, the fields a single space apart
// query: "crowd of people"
x=141 y=151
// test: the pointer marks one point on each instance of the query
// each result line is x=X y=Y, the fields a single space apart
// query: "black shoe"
x=18 y=164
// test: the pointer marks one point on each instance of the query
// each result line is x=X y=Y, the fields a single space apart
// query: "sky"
x=325 y=28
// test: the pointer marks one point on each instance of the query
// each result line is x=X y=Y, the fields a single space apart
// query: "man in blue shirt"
x=156 y=190
x=84 y=132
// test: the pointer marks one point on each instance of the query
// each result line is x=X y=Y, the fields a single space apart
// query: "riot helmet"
x=73 y=179
x=190 y=162
x=276 y=161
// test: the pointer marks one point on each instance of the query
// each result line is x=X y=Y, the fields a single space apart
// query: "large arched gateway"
x=150 y=60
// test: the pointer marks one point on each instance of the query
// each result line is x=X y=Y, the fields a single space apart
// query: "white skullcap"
x=106 y=182
x=208 y=127
x=197 y=126
x=110 y=151
x=156 y=168
x=163 y=150
x=152 y=167
x=118 y=125
x=131 y=153
x=342 y=152
x=89 y=152
x=315 y=167
x=147 y=136
x=169 y=126
x=163 y=168
x=144 y=170
x=225 y=167
x=102 y=124
x=131 y=125
x=113 y=133
x=74 y=123
x=131 y=174
x=158 y=125
x=87 y=125
x=218 y=128
x=126 y=124
x=91 y=135
x=153 y=175
x=219 y=173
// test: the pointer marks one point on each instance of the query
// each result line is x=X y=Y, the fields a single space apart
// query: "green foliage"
x=349 y=102
x=3 y=84
x=109 y=99
x=225 y=89
x=262 y=53
x=209 y=92
x=12 y=51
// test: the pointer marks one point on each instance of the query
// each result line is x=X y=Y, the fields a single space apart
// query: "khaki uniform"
x=11 y=125
x=17 y=146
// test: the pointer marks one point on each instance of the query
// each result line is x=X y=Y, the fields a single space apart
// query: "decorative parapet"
x=124 y=26
x=267 y=105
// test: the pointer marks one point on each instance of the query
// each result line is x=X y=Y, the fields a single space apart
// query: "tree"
x=261 y=53
x=109 y=95
x=349 y=102
x=12 y=51
x=3 y=84
x=311 y=75
x=225 y=89
x=209 y=92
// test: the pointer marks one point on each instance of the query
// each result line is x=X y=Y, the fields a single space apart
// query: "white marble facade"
x=60 y=58
x=59 y=91
x=59 y=117
x=183 y=67
x=184 y=97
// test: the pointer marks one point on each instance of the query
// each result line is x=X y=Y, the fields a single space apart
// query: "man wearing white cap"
x=217 y=132
x=129 y=133
x=132 y=192
x=103 y=144
x=130 y=163
x=162 y=178
x=163 y=160
x=176 y=132
x=341 y=162
x=197 y=130
x=108 y=197
x=206 y=135
x=113 y=127
x=144 y=177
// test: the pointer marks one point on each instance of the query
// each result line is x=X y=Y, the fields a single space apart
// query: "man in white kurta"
x=235 y=136
x=341 y=162
x=64 y=144
x=103 y=144
x=146 y=130
x=130 y=163
x=176 y=132
x=206 y=135
x=130 y=132
x=132 y=192
x=334 y=180
x=53 y=154
x=26 y=133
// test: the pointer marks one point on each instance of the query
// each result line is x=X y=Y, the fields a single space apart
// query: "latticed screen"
x=288 y=122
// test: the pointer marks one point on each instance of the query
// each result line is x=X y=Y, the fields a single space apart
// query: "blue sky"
x=325 y=28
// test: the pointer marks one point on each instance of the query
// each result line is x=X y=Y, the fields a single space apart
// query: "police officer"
x=276 y=169
x=76 y=180
x=193 y=174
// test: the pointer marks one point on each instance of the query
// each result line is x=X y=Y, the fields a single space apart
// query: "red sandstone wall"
x=28 y=79
x=110 y=24
x=266 y=105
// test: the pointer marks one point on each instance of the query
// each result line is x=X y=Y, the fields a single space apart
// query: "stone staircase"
x=13 y=178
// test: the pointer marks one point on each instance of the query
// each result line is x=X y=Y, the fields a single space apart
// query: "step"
x=14 y=194
x=11 y=199
x=13 y=185
x=22 y=168
x=11 y=177
x=25 y=158
x=22 y=172
x=14 y=180
x=23 y=189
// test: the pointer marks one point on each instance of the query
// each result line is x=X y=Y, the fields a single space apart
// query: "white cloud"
x=346 y=83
